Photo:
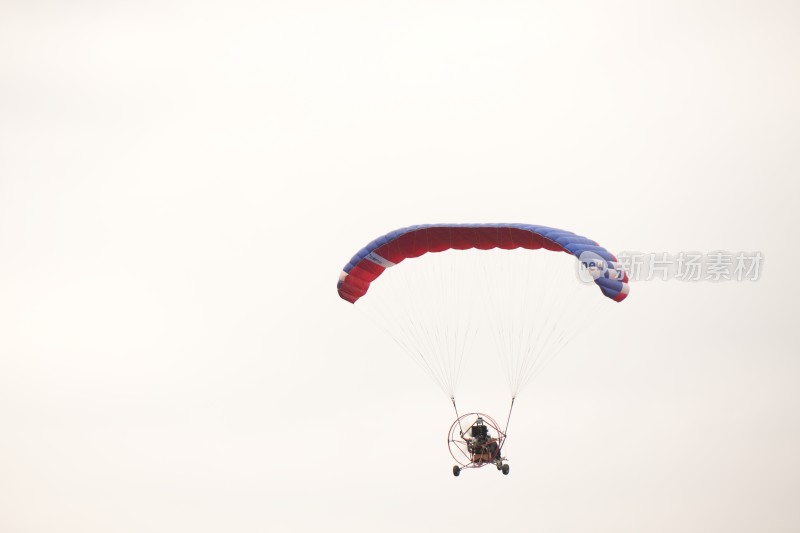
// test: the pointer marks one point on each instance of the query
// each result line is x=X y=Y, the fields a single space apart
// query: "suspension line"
x=505 y=432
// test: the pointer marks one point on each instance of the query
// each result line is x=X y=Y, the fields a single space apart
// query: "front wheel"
x=456 y=470
x=506 y=468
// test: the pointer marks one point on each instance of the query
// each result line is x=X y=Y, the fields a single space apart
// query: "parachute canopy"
x=414 y=241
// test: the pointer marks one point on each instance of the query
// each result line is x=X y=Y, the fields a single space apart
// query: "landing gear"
x=503 y=467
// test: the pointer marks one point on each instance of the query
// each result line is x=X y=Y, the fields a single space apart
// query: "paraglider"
x=465 y=280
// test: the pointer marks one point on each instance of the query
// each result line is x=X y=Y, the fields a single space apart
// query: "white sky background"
x=181 y=184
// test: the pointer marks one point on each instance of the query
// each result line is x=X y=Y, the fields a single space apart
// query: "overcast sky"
x=182 y=182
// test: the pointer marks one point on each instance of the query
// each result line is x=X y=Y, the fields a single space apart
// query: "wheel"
x=456 y=470
x=499 y=466
x=506 y=468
